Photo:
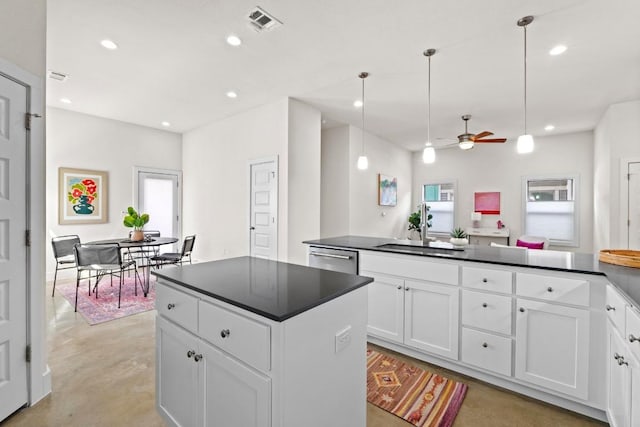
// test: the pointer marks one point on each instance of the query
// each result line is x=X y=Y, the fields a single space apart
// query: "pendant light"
x=429 y=153
x=363 y=162
x=525 y=141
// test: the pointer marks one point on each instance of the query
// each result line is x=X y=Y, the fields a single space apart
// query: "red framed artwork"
x=487 y=203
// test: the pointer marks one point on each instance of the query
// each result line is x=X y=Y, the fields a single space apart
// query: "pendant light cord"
x=429 y=103
x=363 y=115
x=525 y=80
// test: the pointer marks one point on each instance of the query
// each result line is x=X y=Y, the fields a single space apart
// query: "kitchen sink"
x=422 y=247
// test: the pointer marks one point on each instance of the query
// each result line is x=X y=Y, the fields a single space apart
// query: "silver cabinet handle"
x=225 y=333
x=521 y=309
x=621 y=361
x=320 y=254
x=190 y=354
x=549 y=289
x=170 y=306
x=609 y=308
x=197 y=357
x=485 y=345
x=633 y=338
x=485 y=280
x=406 y=289
x=399 y=287
x=616 y=356
x=484 y=304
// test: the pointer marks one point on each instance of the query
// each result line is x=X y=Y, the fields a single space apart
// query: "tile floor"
x=103 y=375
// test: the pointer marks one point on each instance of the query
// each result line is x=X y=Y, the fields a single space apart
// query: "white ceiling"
x=174 y=65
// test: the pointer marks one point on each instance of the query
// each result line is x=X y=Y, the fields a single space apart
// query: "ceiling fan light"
x=429 y=155
x=363 y=163
x=525 y=144
x=465 y=144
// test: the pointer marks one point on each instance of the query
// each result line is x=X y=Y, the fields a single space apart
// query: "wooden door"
x=386 y=307
x=552 y=346
x=13 y=250
x=263 y=214
x=431 y=318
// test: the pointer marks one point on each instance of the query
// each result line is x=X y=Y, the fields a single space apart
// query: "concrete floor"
x=103 y=375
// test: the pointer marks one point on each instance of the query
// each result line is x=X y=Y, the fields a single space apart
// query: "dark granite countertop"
x=626 y=279
x=275 y=290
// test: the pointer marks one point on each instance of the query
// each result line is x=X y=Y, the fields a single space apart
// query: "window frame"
x=576 y=206
x=454 y=184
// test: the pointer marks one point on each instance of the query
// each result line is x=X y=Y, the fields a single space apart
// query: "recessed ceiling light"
x=549 y=128
x=65 y=100
x=165 y=124
x=557 y=50
x=108 y=44
x=234 y=40
x=357 y=103
x=232 y=94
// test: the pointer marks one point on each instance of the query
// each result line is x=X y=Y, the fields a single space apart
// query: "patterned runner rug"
x=413 y=394
x=105 y=307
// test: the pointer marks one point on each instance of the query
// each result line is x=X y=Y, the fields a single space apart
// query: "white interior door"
x=13 y=251
x=633 y=220
x=158 y=194
x=263 y=215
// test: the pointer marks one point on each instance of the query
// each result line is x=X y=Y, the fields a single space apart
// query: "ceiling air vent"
x=261 y=20
x=57 y=75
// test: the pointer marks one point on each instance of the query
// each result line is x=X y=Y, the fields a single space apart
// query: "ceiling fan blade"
x=481 y=135
x=491 y=140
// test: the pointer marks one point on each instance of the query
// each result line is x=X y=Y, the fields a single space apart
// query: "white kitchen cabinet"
x=619 y=389
x=386 y=307
x=431 y=318
x=552 y=347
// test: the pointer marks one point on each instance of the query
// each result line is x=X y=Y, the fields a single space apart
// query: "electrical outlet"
x=343 y=339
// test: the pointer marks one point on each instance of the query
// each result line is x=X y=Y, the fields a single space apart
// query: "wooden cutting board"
x=625 y=257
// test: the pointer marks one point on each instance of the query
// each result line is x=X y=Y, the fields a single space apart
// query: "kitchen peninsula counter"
x=626 y=279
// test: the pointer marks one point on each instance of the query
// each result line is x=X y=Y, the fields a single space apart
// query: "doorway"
x=263 y=208
x=157 y=192
x=14 y=215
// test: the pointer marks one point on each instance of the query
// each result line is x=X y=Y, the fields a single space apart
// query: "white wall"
x=366 y=218
x=304 y=179
x=216 y=179
x=82 y=141
x=22 y=34
x=616 y=138
x=497 y=167
x=334 y=206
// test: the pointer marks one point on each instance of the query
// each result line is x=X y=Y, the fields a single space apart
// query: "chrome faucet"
x=424 y=213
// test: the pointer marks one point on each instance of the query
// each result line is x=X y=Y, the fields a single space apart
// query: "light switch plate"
x=343 y=339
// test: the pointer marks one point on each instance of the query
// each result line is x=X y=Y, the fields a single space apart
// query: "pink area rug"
x=105 y=307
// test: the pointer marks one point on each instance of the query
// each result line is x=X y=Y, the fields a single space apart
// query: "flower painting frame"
x=387 y=190
x=82 y=196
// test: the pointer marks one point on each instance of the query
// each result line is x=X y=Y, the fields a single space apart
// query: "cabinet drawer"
x=556 y=289
x=614 y=306
x=487 y=279
x=486 y=351
x=410 y=267
x=633 y=331
x=246 y=339
x=177 y=306
x=486 y=311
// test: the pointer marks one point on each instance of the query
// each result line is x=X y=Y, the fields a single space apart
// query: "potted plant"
x=137 y=222
x=414 y=221
x=458 y=237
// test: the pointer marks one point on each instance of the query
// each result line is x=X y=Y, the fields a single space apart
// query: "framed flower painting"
x=387 y=190
x=82 y=196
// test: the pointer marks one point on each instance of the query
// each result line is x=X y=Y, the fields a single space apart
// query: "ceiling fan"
x=468 y=140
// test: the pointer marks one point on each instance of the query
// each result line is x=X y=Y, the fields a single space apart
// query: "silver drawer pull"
x=485 y=345
x=633 y=338
x=320 y=254
x=484 y=304
x=549 y=289
x=609 y=308
x=190 y=354
x=621 y=362
x=170 y=306
x=399 y=287
x=617 y=356
x=225 y=333
x=197 y=357
x=521 y=309
x=485 y=280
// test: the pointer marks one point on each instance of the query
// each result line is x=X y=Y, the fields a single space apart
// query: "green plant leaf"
x=128 y=221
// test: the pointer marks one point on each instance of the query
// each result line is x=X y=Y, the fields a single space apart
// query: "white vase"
x=457 y=241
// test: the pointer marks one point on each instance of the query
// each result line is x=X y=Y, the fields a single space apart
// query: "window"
x=551 y=210
x=440 y=198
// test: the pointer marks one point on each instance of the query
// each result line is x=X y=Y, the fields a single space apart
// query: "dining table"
x=143 y=245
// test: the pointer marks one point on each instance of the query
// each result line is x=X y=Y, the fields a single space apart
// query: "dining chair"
x=176 y=257
x=102 y=260
x=63 y=253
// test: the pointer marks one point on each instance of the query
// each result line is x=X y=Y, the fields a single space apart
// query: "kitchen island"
x=557 y=326
x=252 y=342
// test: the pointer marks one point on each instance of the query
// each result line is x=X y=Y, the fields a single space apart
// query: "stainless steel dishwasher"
x=333 y=259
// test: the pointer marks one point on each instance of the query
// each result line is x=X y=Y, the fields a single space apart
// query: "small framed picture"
x=82 y=196
x=387 y=190
x=487 y=203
